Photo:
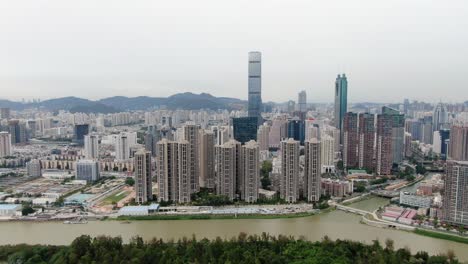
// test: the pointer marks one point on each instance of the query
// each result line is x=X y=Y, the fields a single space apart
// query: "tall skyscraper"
x=192 y=135
x=366 y=141
x=87 y=170
x=5 y=144
x=207 y=158
x=350 y=140
x=245 y=128
x=312 y=170
x=228 y=169
x=255 y=85
x=91 y=144
x=143 y=176
x=79 y=132
x=384 y=145
x=289 y=179
x=341 y=99
x=302 y=101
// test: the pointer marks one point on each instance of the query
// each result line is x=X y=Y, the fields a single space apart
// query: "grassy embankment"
x=439 y=235
x=210 y=217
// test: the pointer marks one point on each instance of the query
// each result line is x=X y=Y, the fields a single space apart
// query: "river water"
x=336 y=225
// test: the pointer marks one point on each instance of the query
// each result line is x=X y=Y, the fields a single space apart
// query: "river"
x=336 y=225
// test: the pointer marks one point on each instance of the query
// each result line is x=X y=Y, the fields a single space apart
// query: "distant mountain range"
x=186 y=101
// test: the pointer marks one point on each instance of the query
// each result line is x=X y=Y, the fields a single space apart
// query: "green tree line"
x=242 y=249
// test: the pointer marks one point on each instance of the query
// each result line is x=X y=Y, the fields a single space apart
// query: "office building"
x=250 y=165
x=440 y=117
x=33 y=168
x=87 y=170
x=302 y=101
x=245 y=129
x=312 y=170
x=384 y=157
x=207 y=159
x=289 y=181
x=445 y=139
x=296 y=130
x=5 y=144
x=414 y=200
x=366 y=141
x=79 y=132
x=398 y=133
x=150 y=143
x=255 y=86
x=17 y=132
x=278 y=131
x=341 y=99
x=143 y=176
x=350 y=140
x=91 y=144
x=263 y=137
x=427 y=131
x=192 y=135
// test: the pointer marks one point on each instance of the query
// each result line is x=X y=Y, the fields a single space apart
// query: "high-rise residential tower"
x=250 y=166
x=366 y=141
x=289 y=179
x=143 y=176
x=207 y=157
x=255 y=85
x=398 y=133
x=228 y=170
x=455 y=199
x=350 y=140
x=341 y=99
x=91 y=144
x=263 y=136
x=312 y=170
x=192 y=135
x=122 y=147
x=384 y=145
x=167 y=170
x=5 y=144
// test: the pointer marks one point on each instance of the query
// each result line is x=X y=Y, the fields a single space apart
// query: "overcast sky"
x=98 y=48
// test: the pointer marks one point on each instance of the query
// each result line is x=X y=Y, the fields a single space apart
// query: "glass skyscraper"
x=255 y=85
x=341 y=99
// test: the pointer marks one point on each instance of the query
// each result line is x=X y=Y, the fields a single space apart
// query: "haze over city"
x=389 y=50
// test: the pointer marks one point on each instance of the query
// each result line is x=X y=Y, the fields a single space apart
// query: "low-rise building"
x=415 y=200
x=138 y=210
x=10 y=209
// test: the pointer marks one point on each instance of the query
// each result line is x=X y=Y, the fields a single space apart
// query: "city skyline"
x=153 y=49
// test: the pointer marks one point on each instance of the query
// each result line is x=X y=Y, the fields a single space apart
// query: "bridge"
x=351 y=209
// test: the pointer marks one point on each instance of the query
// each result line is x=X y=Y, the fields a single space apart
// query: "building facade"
x=289 y=183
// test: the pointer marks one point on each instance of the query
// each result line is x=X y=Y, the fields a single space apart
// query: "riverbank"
x=439 y=235
x=214 y=217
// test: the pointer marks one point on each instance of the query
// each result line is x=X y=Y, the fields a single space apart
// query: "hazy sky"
x=99 y=48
